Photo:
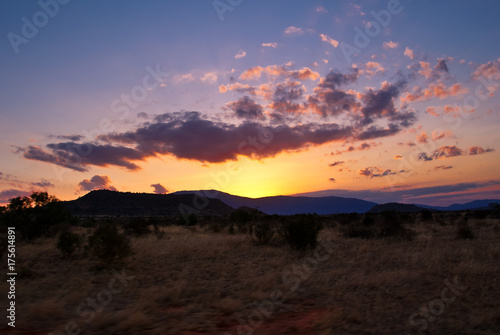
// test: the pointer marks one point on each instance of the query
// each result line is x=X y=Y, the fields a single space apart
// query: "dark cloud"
x=74 y=138
x=475 y=150
x=443 y=167
x=335 y=79
x=6 y=195
x=159 y=189
x=336 y=163
x=379 y=104
x=78 y=156
x=96 y=183
x=442 y=152
x=441 y=66
x=328 y=99
x=246 y=108
x=374 y=172
x=214 y=142
x=285 y=97
x=43 y=183
x=331 y=179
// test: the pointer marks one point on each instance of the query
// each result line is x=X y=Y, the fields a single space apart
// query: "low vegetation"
x=377 y=273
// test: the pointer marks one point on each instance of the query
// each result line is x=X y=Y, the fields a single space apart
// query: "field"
x=199 y=280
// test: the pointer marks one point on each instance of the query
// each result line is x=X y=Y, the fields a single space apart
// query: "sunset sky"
x=379 y=100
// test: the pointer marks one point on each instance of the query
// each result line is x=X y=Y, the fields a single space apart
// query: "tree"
x=35 y=216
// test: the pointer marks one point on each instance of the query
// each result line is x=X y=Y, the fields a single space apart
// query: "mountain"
x=476 y=204
x=113 y=203
x=289 y=205
x=394 y=206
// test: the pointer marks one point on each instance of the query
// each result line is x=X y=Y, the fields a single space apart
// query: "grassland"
x=197 y=281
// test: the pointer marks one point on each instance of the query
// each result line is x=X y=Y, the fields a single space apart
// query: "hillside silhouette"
x=113 y=203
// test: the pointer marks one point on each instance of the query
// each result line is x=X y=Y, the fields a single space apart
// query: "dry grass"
x=199 y=282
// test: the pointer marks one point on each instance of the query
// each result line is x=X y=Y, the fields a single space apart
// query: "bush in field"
x=391 y=227
x=426 y=215
x=264 y=232
x=68 y=242
x=137 y=227
x=301 y=231
x=35 y=216
x=464 y=231
x=108 y=244
x=359 y=231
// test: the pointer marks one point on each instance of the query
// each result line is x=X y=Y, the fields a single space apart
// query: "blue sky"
x=65 y=79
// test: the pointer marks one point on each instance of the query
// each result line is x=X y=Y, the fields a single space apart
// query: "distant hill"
x=289 y=205
x=112 y=203
x=473 y=205
x=394 y=206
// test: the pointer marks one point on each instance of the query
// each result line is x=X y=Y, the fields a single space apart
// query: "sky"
x=379 y=100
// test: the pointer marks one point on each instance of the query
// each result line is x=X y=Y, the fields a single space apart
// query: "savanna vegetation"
x=251 y=273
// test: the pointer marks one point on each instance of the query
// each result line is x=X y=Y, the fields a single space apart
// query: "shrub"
x=392 y=227
x=301 y=231
x=464 y=231
x=264 y=232
x=68 y=242
x=137 y=227
x=158 y=232
x=108 y=245
x=426 y=215
x=359 y=231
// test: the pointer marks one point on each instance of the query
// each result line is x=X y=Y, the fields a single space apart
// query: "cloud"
x=423 y=137
x=374 y=172
x=240 y=54
x=270 y=45
x=438 y=90
x=475 y=150
x=390 y=45
x=246 y=108
x=159 y=189
x=373 y=68
x=432 y=111
x=254 y=73
x=336 y=163
x=43 y=184
x=443 y=167
x=446 y=151
x=188 y=136
x=409 y=53
x=321 y=9
x=222 y=89
x=331 y=179
x=329 y=40
x=490 y=69
x=78 y=156
x=188 y=77
x=209 y=77
x=398 y=157
x=6 y=195
x=293 y=31
x=95 y=183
